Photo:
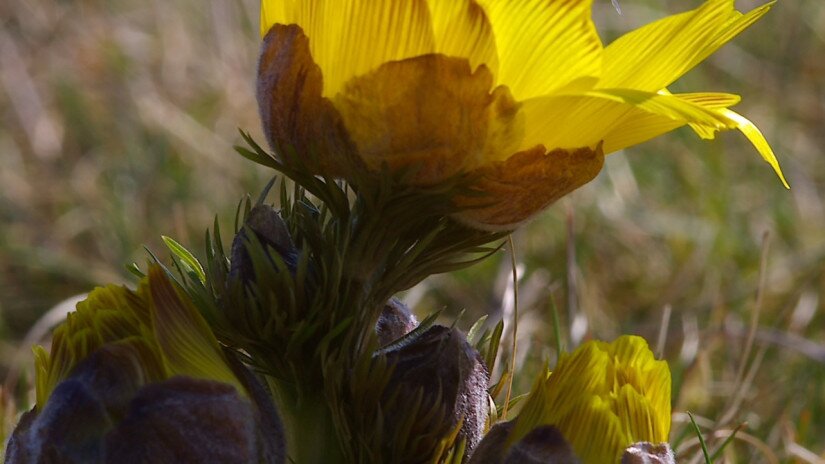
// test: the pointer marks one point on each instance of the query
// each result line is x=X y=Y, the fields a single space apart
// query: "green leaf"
x=257 y=157
x=187 y=259
x=701 y=439
x=492 y=350
x=135 y=270
x=556 y=326
x=476 y=329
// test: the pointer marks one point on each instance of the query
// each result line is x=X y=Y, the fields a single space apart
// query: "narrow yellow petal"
x=348 y=38
x=713 y=100
x=186 y=342
x=655 y=55
x=639 y=126
x=594 y=431
x=43 y=384
x=545 y=45
x=569 y=121
x=462 y=29
x=668 y=105
x=758 y=140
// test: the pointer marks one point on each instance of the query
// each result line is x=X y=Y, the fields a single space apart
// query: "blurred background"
x=117 y=121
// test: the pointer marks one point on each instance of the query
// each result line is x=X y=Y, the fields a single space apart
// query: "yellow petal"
x=42 y=383
x=594 y=431
x=721 y=102
x=187 y=344
x=602 y=397
x=758 y=140
x=109 y=314
x=544 y=45
x=568 y=121
x=638 y=125
x=555 y=395
x=276 y=12
x=655 y=55
x=636 y=415
x=645 y=395
x=671 y=106
x=461 y=29
x=349 y=38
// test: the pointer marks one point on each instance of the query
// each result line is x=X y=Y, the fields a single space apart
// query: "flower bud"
x=543 y=445
x=648 y=453
x=603 y=397
x=139 y=377
x=451 y=379
x=395 y=321
x=272 y=232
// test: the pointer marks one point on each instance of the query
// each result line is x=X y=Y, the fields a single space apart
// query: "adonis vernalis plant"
x=416 y=134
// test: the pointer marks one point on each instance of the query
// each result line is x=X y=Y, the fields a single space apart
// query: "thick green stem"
x=311 y=434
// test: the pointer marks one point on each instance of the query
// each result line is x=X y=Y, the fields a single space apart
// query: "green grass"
x=116 y=125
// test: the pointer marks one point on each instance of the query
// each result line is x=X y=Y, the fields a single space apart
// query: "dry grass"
x=116 y=124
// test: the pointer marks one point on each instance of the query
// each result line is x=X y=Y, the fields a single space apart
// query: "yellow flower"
x=139 y=373
x=603 y=397
x=519 y=93
x=156 y=327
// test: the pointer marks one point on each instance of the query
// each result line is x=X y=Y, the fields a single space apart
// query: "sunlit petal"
x=348 y=38
x=188 y=346
x=655 y=55
x=544 y=45
x=757 y=139
x=569 y=121
x=462 y=29
x=639 y=126
x=610 y=394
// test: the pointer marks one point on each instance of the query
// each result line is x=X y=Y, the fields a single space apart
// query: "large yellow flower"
x=520 y=94
x=603 y=398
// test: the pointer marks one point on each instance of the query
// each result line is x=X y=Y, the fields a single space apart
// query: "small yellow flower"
x=603 y=397
x=138 y=375
x=156 y=327
x=519 y=93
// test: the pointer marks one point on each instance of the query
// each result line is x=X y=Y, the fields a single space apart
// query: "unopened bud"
x=648 y=453
x=395 y=321
x=451 y=375
x=542 y=445
x=272 y=232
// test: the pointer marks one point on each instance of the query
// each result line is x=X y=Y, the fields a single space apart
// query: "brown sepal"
x=297 y=120
x=512 y=191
